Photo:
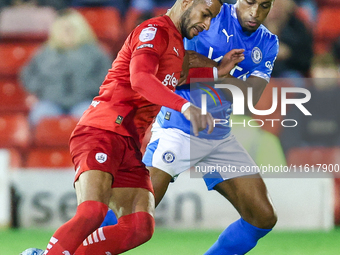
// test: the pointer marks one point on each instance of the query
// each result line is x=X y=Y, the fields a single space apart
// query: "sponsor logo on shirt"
x=226 y=34
x=170 y=79
x=101 y=157
x=77 y=170
x=147 y=34
x=149 y=45
x=119 y=119
x=269 y=65
x=167 y=115
x=95 y=103
x=168 y=157
x=176 y=51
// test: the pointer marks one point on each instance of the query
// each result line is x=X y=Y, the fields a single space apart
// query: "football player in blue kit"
x=168 y=153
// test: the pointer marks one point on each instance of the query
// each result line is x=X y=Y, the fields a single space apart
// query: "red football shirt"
x=122 y=106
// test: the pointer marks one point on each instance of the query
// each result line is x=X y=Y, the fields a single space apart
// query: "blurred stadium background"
x=36 y=193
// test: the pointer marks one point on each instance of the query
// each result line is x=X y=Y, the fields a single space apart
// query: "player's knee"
x=267 y=218
x=91 y=213
x=145 y=226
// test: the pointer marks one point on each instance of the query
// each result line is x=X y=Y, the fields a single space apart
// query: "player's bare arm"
x=229 y=61
x=258 y=84
x=185 y=70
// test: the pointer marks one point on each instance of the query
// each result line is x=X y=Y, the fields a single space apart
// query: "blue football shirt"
x=225 y=33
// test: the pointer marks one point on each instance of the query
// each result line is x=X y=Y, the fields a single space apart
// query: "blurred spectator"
x=296 y=40
x=121 y=5
x=327 y=3
x=4 y=3
x=336 y=51
x=67 y=71
x=143 y=17
x=58 y=5
x=323 y=127
x=310 y=6
x=149 y=5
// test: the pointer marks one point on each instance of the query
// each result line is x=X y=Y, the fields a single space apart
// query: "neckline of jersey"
x=172 y=24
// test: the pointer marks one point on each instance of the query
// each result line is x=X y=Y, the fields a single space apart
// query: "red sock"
x=66 y=240
x=132 y=230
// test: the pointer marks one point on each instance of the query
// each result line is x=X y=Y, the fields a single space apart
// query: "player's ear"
x=186 y=4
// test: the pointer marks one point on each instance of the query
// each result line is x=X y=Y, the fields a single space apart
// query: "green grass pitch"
x=175 y=242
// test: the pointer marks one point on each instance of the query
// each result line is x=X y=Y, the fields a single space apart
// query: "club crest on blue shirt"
x=256 y=55
x=168 y=157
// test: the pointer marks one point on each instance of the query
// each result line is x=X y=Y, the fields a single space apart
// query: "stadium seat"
x=14 y=55
x=106 y=23
x=314 y=156
x=327 y=29
x=54 y=131
x=26 y=23
x=14 y=131
x=48 y=158
x=13 y=96
x=16 y=158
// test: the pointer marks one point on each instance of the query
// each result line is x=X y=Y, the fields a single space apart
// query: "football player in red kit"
x=105 y=145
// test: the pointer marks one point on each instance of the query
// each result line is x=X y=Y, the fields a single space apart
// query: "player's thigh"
x=246 y=193
x=250 y=197
x=226 y=161
x=160 y=182
x=94 y=185
x=129 y=200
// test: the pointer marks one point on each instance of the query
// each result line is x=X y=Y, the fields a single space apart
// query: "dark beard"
x=185 y=21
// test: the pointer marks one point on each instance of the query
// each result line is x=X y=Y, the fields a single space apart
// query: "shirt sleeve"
x=200 y=72
x=143 y=69
x=264 y=70
x=150 y=40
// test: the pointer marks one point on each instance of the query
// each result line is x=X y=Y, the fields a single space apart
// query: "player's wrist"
x=185 y=107
x=215 y=73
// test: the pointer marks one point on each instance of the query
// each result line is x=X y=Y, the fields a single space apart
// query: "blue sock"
x=110 y=219
x=237 y=239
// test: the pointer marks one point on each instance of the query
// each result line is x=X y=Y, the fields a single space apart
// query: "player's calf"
x=131 y=231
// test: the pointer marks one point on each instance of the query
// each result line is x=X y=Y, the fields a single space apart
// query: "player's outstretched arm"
x=229 y=61
x=197 y=60
x=203 y=67
x=200 y=64
x=143 y=69
x=258 y=84
x=185 y=70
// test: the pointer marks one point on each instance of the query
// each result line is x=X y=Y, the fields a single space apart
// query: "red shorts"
x=97 y=149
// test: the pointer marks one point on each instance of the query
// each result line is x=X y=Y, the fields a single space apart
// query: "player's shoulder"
x=267 y=35
x=225 y=12
x=160 y=23
x=159 y=27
